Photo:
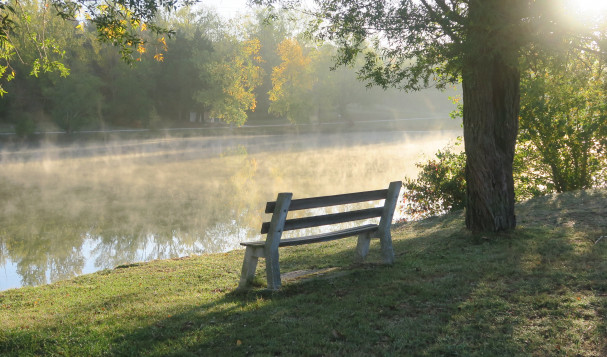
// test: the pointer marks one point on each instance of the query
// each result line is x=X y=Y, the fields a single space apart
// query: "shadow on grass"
x=414 y=307
x=449 y=293
x=574 y=257
x=539 y=290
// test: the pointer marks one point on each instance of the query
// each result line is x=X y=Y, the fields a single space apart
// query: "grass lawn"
x=538 y=291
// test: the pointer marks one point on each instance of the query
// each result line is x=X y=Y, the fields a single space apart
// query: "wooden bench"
x=279 y=223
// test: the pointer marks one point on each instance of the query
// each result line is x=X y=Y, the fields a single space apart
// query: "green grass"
x=538 y=291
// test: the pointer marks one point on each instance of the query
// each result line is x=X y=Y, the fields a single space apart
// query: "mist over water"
x=66 y=211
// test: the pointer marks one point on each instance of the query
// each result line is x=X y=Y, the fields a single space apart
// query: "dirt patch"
x=306 y=274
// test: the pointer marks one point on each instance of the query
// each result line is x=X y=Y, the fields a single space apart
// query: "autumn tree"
x=306 y=88
x=292 y=82
x=270 y=34
x=234 y=74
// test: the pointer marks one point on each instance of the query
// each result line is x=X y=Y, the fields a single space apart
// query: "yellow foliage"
x=163 y=41
x=252 y=47
x=238 y=74
x=292 y=71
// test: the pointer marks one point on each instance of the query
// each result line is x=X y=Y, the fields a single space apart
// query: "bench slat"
x=335 y=218
x=325 y=201
x=324 y=237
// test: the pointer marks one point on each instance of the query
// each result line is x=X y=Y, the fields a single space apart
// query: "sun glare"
x=586 y=10
x=590 y=6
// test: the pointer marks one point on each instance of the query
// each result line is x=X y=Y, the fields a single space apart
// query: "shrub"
x=440 y=186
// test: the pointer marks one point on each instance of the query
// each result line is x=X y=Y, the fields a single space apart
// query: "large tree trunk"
x=491 y=88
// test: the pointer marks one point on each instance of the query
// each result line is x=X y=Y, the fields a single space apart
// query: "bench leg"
x=249 y=265
x=273 y=269
x=362 y=247
x=387 y=251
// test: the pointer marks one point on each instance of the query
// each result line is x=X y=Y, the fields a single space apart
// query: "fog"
x=66 y=211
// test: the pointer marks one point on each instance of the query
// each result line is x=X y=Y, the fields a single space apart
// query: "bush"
x=531 y=175
x=440 y=186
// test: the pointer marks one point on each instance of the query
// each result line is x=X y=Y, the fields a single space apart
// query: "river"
x=68 y=211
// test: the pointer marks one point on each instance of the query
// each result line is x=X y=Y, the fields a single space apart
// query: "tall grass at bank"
x=540 y=290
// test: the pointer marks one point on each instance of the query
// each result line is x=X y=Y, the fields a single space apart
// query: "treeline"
x=209 y=70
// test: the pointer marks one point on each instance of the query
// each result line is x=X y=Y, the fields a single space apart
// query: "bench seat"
x=323 y=237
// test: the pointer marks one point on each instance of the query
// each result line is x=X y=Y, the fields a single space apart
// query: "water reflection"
x=66 y=212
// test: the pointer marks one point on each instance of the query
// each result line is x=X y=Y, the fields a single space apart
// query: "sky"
x=228 y=8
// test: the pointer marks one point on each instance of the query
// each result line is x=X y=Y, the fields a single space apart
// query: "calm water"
x=71 y=211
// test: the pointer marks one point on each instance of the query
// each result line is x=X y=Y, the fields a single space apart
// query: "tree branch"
x=443 y=19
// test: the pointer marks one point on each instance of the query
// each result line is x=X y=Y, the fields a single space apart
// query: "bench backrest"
x=286 y=204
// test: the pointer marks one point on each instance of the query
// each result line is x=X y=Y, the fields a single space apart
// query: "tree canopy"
x=122 y=23
x=480 y=42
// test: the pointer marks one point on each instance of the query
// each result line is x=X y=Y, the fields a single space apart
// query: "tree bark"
x=491 y=93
